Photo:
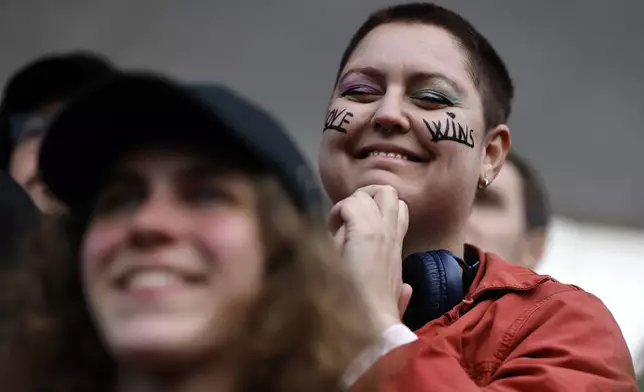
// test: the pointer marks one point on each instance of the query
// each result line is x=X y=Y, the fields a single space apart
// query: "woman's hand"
x=370 y=228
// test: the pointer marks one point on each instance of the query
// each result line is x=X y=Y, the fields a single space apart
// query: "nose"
x=390 y=118
x=157 y=222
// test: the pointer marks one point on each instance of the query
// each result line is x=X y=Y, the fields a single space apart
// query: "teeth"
x=388 y=155
x=152 y=279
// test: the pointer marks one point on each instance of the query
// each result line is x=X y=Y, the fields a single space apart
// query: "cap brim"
x=125 y=112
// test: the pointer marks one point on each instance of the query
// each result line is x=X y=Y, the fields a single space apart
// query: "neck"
x=420 y=238
x=197 y=379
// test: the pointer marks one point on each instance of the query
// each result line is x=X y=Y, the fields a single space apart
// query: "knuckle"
x=359 y=191
x=389 y=189
x=349 y=201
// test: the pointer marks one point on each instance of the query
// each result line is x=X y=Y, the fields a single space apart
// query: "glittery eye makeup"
x=357 y=83
x=359 y=89
x=433 y=97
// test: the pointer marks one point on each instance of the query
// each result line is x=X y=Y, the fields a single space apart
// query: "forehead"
x=223 y=155
x=407 y=48
x=161 y=159
x=182 y=161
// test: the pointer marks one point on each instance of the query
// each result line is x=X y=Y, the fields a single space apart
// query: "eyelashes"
x=360 y=89
x=429 y=99
x=434 y=98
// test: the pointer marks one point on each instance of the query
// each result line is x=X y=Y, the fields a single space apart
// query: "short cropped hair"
x=487 y=69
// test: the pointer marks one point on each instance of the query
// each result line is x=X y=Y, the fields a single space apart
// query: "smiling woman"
x=191 y=258
x=429 y=99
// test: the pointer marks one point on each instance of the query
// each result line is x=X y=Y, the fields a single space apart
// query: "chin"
x=401 y=185
x=152 y=341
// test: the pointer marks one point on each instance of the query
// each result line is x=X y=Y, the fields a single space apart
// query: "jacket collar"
x=496 y=274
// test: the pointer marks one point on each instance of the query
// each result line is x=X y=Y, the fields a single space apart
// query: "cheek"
x=500 y=224
x=100 y=243
x=332 y=170
x=23 y=162
x=345 y=122
x=234 y=242
x=339 y=118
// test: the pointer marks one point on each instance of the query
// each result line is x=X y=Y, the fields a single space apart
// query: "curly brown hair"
x=303 y=331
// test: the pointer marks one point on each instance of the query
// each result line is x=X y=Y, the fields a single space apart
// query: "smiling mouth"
x=154 y=279
x=390 y=154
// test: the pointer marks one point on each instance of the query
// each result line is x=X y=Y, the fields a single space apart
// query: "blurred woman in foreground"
x=190 y=259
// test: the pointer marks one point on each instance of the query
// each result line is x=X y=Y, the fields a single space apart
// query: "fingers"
x=403 y=220
x=369 y=207
x=340 y=237
x=358 y=209
x=386 y=198
x=394 y=211
x=335 y=217
x=405 y=297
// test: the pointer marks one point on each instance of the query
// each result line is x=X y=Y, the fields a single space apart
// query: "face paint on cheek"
x=450 y=130
x=335 y=120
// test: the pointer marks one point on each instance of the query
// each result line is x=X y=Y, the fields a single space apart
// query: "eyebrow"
x=415 y=77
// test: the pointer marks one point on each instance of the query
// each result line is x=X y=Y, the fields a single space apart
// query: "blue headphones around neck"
x=437 y=282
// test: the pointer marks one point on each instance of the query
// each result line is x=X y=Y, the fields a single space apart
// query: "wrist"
x=384 y=319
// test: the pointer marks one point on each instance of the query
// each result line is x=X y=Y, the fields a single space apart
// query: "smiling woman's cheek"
x=233 y=241
x=101 y=243
x=339 y=119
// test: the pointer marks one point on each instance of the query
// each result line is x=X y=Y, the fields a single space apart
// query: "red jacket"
x=514 y=331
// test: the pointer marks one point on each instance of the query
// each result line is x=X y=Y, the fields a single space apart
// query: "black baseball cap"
x=135 y=108
x=54 y=77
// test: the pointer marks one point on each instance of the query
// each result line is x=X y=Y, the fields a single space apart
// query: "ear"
x=496 y=145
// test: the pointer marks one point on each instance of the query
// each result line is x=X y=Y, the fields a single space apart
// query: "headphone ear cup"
x=436 y=280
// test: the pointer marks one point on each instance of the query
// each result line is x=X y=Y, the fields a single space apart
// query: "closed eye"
x=432 y=100
x=361 y=93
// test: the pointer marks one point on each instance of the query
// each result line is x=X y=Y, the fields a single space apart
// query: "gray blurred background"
x=578 y=68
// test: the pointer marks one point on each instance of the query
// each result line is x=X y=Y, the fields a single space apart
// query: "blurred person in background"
x=415 y=127
x=190 y=258
x=31 y=98
x=18 y=217
x=510 y=217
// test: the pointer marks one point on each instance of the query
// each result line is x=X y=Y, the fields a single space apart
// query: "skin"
x=398 y=76
x=23 y=167
x=498 y=224
x=172 y=212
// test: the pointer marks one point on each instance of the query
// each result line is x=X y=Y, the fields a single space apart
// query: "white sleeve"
x=395 y=336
